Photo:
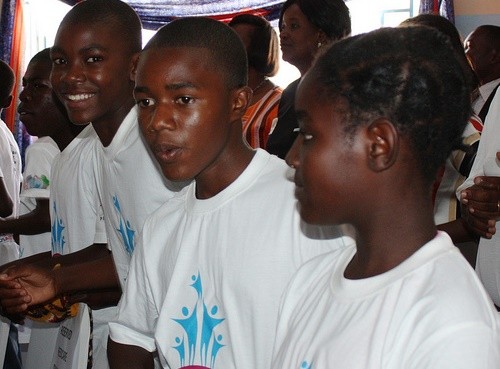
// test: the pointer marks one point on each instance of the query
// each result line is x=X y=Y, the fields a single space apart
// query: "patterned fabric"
x=11 y=51
x=441 y=7
x=259 y=117
x=155 y=13
x=56 y=311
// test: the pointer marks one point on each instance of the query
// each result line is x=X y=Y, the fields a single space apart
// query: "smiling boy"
x=206 y=278
x=94 y=54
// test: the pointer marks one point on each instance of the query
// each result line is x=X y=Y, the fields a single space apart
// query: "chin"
x=311 y=215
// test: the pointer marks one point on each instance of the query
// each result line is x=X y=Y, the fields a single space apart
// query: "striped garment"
x=259 y=117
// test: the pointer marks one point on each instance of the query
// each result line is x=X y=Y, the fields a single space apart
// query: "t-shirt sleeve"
x=137 y=315
x=37 y=171
x=467 y=345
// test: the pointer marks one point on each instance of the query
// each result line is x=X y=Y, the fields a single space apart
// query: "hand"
x=13 y=298
x=26 y=285
x=481 y=205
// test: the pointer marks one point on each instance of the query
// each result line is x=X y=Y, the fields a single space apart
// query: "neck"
x=63 y=140
x=391 y=234
x=107 y=126
x=226 y=168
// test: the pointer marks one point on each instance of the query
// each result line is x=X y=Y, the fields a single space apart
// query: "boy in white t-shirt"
x=99 y=41
x=208 y=272
x=10 y=182
x=385 y=109
x=44 y=117
x=10 y=168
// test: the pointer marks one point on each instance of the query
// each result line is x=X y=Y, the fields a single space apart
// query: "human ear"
x=241 y=99
x=133 y=66
x=382 y=144
x=322 y=39
x=6 y=103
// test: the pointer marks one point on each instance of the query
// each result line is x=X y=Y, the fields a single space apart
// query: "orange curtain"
x=16 y=61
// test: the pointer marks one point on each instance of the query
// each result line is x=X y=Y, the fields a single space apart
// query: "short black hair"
x=116 y=13
x=42 y=56
x=7 y=81
x=263 y=51
x=227 y=49
x=492 y=35
x=330 y=16
x=409 y=75
x=448 y=28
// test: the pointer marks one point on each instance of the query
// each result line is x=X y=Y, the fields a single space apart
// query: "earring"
x=319 y=44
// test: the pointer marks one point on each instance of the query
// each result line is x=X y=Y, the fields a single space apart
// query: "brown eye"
x=144 y=103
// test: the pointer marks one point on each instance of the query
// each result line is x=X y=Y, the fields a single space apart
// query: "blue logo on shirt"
x=305 y=365
x=199 y=344
x=57 y=235
x=125 y=229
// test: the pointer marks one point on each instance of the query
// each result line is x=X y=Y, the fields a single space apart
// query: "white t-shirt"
x=75 y=210
x=131 y=188
x=488 y=255
x=37 y=178
x=10 y=166
x=431 y=311
x=10 y=171
x=207 y=275
x=77 y=217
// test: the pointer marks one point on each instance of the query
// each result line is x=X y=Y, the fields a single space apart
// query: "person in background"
x=10 y=168
x=480 y=193
x=10 y=184
x=44 y=117
x=480 y=196
x=261 y=44
x=385 y=109
x=305 y=27
x=482 y=48
x=447 y=209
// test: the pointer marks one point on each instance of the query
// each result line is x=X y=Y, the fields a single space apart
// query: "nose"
x=24 y=95
x=69 y=73
x=292 y=157
x=283 y=34
x=158 y=119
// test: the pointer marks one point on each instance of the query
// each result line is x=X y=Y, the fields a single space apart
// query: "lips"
x=23 y=112
x=79 y=97
x=166 y=153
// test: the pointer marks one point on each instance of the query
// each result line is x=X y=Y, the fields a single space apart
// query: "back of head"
x=330 y=16
x=263 y=50
x=116 y=14
x=448 y=28
x=408 y=75
x=7 y=80
x=226 y=48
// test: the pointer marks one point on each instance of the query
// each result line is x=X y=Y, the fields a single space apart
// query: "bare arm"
x=81 y=272
x=458 y=230
x=128 y=357
x=34 y=222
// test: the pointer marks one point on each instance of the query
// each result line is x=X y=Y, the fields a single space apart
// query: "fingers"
x=488 y=182
x=481 y=226
x=485 y=210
